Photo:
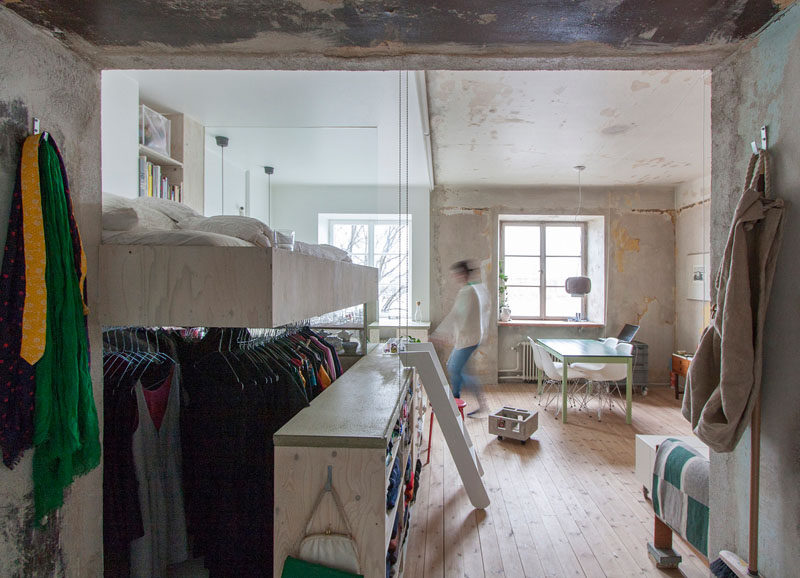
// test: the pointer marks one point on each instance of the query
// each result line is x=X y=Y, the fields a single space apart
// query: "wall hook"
x=35 y=125
x=753 y=144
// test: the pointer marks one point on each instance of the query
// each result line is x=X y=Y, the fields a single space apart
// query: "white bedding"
x=163 y=222
x=172 y=238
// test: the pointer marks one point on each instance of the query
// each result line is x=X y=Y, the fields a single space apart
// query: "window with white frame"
x=537 y=257
x=383 y=243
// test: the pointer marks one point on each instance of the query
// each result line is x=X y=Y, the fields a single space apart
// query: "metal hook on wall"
x=754 y=145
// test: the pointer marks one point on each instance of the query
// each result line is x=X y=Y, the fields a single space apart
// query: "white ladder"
x=423 y=357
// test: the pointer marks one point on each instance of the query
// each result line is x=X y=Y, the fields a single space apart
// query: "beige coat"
x=724 y=377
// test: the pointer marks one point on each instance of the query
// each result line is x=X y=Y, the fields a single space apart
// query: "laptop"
x=628 y=332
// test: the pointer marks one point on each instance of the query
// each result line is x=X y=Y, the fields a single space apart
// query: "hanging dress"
x=157 y=460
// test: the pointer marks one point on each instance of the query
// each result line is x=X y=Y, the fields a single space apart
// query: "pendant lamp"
x=222 y=142
x=578 y=286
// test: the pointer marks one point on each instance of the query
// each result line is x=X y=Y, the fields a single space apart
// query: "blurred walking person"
x=466 y=326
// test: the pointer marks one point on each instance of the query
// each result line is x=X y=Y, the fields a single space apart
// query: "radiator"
x=527 y=365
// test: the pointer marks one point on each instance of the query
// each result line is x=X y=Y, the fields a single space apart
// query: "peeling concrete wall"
x=692 y=235
x=42 y=78
x=334 y=33
x=759 y=85
x=640 y=224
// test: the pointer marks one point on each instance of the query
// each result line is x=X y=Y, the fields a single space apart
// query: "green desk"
x=569 y=351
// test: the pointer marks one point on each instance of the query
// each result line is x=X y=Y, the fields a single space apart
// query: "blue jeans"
x=455 y=367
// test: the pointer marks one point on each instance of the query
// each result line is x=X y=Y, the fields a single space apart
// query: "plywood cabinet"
x=350 y=427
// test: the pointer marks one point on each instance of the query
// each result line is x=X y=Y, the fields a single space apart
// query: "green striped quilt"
x=680 y=491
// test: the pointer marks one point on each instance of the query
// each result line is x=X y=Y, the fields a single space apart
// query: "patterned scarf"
x=53 y=313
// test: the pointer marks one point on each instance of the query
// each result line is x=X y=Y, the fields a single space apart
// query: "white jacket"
x=468 y=320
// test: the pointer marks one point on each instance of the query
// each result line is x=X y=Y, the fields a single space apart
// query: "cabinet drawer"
x=680 y=365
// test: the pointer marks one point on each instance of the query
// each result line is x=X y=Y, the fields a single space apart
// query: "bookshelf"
x=185 y=165
x=158 y=158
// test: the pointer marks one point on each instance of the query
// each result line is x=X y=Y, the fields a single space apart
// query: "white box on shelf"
x=154 y=130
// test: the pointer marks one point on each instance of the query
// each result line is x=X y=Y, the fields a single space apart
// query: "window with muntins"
x=384 y=244
x=537 y=258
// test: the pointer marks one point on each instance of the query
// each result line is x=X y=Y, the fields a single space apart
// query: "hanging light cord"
x=399 y=173
x=580 y=169
x=407 y=228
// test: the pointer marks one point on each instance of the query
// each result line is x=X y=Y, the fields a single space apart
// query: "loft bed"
x=150 y=285
x=156 y=275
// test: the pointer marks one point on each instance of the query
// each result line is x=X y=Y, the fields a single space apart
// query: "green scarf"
x=66 y=432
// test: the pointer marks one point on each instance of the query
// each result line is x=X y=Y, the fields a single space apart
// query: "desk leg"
x=673 y=382
x=564 y=370
x=629 y=394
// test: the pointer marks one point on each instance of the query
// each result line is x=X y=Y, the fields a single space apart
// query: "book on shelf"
x=152 y=183
x=142 y=176
x=154 y=189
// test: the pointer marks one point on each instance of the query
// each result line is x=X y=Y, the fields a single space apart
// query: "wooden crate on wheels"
x=514 y=423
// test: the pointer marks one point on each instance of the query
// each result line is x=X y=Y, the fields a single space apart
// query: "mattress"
x=172 y=237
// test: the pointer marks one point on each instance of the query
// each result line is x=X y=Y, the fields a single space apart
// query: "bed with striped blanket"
x=680 y=492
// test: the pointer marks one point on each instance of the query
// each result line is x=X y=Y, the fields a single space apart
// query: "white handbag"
x=331 y=549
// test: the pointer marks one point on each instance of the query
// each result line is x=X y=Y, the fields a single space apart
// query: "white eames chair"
x=553 y=376
x=603 y=378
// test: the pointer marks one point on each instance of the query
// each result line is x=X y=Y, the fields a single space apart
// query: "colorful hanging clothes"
x=17 y=376
x=66 y=432
x=47 y=337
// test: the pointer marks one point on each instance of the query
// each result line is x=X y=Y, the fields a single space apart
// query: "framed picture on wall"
x=698 y=276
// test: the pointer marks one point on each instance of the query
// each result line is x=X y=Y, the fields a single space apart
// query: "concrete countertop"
x=358 y=410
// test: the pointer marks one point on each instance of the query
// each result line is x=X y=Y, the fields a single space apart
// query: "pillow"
x=322 y=251
x=244 y=228
x=118 y=214
x=146 y=216
x=174 y=210
x=336 y=253
x=150 y=218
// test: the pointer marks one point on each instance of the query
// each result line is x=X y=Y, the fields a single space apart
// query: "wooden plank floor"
x=564 y=504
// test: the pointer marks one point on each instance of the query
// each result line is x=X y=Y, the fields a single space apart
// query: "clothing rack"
x=266 y=376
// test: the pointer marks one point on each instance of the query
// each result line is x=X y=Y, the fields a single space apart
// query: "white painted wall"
x=119 y=113
x=276 y=100
x=258 y=194
x=235 y=182
x=298 y=208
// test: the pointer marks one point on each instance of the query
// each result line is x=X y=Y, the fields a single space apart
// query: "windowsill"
x=547 y=323
x=394 y=324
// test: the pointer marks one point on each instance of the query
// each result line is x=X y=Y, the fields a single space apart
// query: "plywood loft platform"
x=145 y=285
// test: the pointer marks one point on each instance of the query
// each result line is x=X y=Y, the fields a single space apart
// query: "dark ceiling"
x=483 y=24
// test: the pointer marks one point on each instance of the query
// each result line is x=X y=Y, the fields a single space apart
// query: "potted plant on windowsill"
x=502 y=289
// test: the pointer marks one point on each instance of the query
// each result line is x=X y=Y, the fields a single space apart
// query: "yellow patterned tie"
x=34 y=315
